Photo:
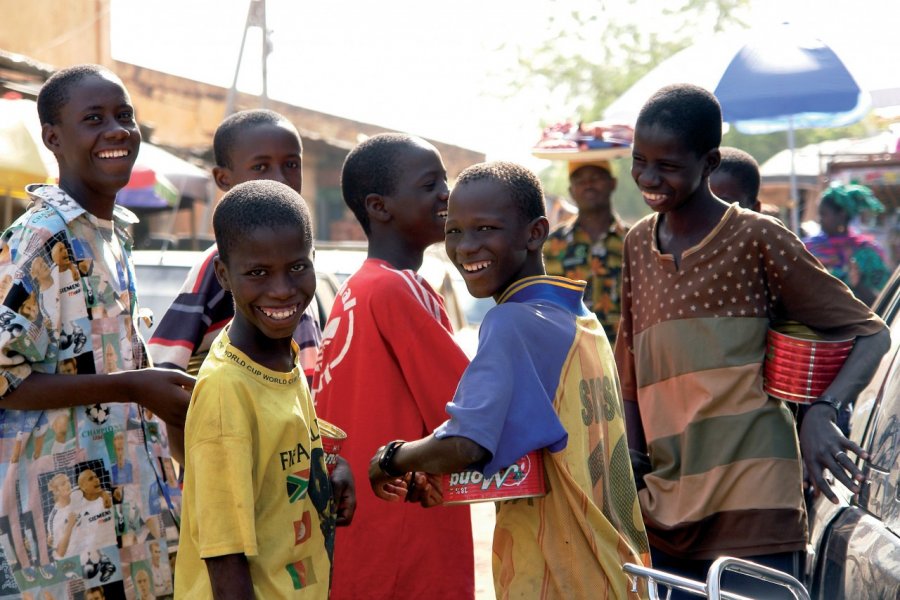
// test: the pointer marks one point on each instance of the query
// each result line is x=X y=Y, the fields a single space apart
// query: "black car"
x=854 y=549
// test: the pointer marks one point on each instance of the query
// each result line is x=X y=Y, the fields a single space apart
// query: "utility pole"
x=256 y=17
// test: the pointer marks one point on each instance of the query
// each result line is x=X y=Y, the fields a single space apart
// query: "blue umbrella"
x=771 y=79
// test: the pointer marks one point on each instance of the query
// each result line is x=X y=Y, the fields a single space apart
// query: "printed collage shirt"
x=88 y=495
x=570 y=252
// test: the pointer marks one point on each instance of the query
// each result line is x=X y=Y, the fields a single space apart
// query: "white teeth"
x=278 y=314
x=476 y=266
x=654 y=197
x=442 y=214
x=113 y=153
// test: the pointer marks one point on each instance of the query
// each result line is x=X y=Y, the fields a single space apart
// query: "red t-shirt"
x=387 y=368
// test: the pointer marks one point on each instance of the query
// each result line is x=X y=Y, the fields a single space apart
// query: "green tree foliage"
x=587 y=59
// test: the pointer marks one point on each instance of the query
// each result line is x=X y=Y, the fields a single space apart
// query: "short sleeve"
x=413 y=323
x=801 y=289
x=504 y=402
x=308 y=336
x=220 y=460
x=30 y=310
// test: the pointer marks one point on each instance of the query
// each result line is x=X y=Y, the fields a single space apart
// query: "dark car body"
x=854 y=549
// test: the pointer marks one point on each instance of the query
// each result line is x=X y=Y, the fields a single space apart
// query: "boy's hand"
x=166 y=392
x=823 y=446
x=392 y=489
x=425 y=488
x=343 y=491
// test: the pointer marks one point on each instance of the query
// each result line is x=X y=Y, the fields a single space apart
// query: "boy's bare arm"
x=229 y=577
x=429 y=454
x=165 y=392
x=822 y=445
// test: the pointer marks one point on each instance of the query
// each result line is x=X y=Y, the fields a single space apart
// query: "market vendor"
x=589 y=246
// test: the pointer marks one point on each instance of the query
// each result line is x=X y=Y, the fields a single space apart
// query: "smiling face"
x=264 y=151
x=488 y=239
x=271 y=277
x=667 y=172
x=418 y=204
x=96 y=141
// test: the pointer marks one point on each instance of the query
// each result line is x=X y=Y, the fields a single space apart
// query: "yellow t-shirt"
x=255 y=480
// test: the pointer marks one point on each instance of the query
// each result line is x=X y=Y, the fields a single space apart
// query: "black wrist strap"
x=829 y=401
x=387 y=456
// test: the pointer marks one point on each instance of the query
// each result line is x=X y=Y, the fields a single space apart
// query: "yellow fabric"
x=573 y=542
x=253 y=447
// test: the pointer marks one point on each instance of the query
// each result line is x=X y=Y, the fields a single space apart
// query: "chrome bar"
x=751 y=569
x=654 y=576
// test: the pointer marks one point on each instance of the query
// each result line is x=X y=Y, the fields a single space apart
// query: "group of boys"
x=716 y=461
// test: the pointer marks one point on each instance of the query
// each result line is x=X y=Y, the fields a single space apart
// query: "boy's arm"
x=165 y=392
x=229 y=577
x=429 y=454
x=822 y=444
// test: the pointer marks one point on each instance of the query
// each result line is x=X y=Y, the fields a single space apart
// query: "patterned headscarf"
x=852 y=198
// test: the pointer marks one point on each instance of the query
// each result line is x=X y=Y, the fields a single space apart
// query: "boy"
x=88 y=123
x=543 y=378
x=703 y=281
x=387 y=368
x=248 y=145
x=736 y=179
x=258 y=507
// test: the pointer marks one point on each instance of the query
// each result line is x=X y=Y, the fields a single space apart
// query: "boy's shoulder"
x=377 y=278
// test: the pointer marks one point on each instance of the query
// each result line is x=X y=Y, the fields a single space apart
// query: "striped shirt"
x=726 y=476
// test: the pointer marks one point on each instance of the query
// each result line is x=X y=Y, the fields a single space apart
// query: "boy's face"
x=264 y=152
x=666 y=171
x=271 y=277
x=727 y=187
x=418 y=205
x=96 y=137
x=488 y=239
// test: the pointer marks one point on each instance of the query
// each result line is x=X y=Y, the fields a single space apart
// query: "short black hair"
x=689 y=111
x=523 y=185
x=231 y=127
x=55 y=92
x=742 y=167
x=258 y=203
x=372 y=168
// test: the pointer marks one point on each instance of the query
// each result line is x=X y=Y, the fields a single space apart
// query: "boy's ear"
x=50 y=136
x=223 y=178
x=376 y=208
x=221 y=273
x=712 y=160
x=538 y=230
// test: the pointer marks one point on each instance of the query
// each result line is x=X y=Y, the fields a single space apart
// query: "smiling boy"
x=541 y=352
x=88 y=122
x=259 y=516
x=703 y=282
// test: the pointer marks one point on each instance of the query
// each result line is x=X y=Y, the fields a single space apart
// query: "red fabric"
x=387 y=368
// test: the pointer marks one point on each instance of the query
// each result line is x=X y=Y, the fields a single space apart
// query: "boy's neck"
x=274 y=354
x=396 y=251
x=99 y=205
x=595 y=222
x=696 y=217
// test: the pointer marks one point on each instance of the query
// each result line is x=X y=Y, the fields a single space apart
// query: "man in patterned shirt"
x=590 y=246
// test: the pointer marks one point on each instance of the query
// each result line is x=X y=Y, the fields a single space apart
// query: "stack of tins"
x=799 y=365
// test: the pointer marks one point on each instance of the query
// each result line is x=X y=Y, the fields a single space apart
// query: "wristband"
x=829 y=400
x=387 y=455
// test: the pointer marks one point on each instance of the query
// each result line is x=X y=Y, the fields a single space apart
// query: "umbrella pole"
x=795 y=201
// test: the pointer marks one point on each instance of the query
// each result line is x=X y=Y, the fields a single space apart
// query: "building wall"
x=183 y=114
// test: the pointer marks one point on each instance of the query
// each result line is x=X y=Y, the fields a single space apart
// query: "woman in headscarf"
x=853 y=257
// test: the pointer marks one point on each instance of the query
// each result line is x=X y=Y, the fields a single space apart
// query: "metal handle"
x=751 y=569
